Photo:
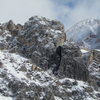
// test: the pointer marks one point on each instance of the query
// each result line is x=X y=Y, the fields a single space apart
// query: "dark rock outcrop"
x=39 y=38
x=67 y=62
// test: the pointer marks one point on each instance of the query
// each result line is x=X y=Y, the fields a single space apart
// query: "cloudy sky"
x=67 y=11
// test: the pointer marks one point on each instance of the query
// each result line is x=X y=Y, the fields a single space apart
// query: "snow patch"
x=84 y=51
x=57 y=98
x=5 y=98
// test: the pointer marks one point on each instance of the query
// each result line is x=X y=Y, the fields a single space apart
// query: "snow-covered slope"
x=17 y=77
x=86 y=33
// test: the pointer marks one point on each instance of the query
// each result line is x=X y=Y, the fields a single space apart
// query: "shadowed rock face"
x=67 y=62
x=73 y=68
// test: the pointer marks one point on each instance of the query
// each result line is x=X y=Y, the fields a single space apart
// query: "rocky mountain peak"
x=40 y=37
x=38 y=63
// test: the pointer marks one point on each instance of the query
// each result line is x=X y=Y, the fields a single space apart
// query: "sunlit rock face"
x=86 y=33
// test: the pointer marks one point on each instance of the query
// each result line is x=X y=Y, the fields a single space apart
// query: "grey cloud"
x=21 y=10
x=83 y=9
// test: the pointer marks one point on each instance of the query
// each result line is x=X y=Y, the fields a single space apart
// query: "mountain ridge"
x=86 y=33
x=38 y=63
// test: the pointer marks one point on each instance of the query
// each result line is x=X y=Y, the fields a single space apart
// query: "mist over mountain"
x=85 y=33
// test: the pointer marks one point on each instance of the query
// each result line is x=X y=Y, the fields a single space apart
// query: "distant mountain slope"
x=86 y=33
